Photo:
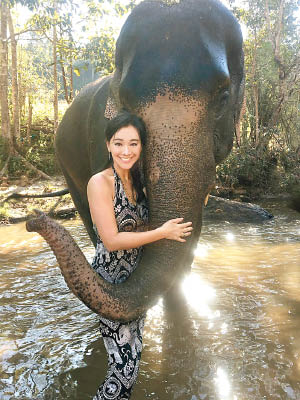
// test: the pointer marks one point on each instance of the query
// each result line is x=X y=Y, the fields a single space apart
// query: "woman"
x=119 y=213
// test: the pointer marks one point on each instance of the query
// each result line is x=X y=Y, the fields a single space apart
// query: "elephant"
x=179 y=66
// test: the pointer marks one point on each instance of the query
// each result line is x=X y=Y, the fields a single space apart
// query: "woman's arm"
x=100 y=196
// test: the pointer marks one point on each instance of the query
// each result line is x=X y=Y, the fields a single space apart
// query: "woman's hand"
x=175 y=229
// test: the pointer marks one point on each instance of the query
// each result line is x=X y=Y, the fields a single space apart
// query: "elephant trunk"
x=83 y=281
x=180 y=171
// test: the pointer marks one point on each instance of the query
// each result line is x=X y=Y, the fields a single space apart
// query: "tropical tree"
x=4 y=72
x=272 y=71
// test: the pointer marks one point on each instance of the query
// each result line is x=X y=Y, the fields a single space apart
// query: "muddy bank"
x=13 y=210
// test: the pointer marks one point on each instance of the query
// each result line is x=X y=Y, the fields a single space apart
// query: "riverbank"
x=14 y=208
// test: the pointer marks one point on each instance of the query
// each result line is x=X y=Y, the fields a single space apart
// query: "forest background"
x=50 y=49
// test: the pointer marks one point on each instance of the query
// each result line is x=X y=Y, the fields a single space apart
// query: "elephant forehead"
x=174 y=114
x=186 y=44
x=177 y=125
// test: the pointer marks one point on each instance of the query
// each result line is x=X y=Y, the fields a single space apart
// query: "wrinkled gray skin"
x=180 y=67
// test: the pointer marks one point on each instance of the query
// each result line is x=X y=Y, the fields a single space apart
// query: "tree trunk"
x=255 y=90
x=71 y=82
x=32 y=167
x=29 y=122
x=64 y=80
x=22 y=88
x=14 y=76
x=275 y=39
x=5 y=123
x=239 y=134
x=55 y=97
x=71 y=95
x=255 y=93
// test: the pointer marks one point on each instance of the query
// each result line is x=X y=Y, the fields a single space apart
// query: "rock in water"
x=219 y=209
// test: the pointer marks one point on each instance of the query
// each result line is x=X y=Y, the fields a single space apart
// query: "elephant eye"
x=221 y=102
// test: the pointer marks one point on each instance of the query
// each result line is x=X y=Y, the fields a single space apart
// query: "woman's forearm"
x=131 y=240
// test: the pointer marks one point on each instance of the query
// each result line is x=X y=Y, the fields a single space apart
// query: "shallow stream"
x=237 y=338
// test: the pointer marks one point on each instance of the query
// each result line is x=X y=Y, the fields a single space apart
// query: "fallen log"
x=59 y=214
x=219 y=209
x=17 y=195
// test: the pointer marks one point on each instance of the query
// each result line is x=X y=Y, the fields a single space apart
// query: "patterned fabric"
x=123 y=342
x=116 y=266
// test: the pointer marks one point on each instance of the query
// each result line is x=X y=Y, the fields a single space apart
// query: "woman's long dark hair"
x=122 y=120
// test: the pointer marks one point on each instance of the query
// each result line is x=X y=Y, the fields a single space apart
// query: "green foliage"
x=86 y=35
x=99 y=51
x=272 y=68
x=30 y=4
x=289 y=166
x=16 y=167
x=4 y=211
x=261 y=169
x=39 y=151
x=35 y=76
x=246 y=167
x=3 y=149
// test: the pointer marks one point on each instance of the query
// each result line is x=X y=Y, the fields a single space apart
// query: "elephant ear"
x=111 y=109
x=113 y=104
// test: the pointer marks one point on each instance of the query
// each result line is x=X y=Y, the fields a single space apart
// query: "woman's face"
x=125 y=147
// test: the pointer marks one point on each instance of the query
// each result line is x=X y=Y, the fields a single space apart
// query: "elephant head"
x=181 y=70
x=179 y=65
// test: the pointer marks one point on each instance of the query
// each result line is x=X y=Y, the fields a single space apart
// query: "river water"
x=236 y=338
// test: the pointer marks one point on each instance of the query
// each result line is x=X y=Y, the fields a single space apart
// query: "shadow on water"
x=231 y=334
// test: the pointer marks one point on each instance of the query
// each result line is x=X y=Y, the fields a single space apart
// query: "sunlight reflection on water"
x=199 y=294
x=223 y=384
x=202 y=250
x=230 y=237
x=236 y=339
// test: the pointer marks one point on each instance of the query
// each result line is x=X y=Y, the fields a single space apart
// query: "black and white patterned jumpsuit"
x=123 y=342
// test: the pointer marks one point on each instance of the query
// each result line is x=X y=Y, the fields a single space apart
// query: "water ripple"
x=237 y=336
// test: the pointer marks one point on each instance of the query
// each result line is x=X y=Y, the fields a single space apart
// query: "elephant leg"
x=175 y=302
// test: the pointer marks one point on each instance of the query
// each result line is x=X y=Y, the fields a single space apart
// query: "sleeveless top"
x=116 y=266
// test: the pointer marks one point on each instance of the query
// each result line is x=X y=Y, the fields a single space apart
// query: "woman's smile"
x=125 y=147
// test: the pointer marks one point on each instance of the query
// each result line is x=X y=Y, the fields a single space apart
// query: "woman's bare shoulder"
x=102 y=180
